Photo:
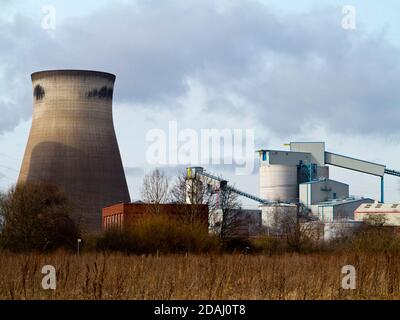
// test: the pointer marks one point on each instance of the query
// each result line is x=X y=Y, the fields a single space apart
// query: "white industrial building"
x=275 y=216
x=389 y=211
x=301 y=175
x=317 y=191
x=339 y=209
x=245 y=222
x=298 y=178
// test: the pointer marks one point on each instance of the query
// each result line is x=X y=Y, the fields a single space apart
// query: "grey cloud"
x=24 y=48
x=286 y=69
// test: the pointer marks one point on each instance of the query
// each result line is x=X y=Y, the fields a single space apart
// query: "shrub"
x=373 y=238
x=267 y=245
x=36 y=217
x=159 y=233
x=237 y=245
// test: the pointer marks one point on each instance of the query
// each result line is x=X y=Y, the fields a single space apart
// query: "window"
x=334 y=195
x=264 y=156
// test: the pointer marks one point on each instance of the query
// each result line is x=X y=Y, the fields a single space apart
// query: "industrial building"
x=317 y=191
x=72 y=143
x=241 y=222
x=390 y=212
x=338 y=209
x=301 y=175
x=339 y=229
x=299 y=178
x=274 y=217
x=120 y=215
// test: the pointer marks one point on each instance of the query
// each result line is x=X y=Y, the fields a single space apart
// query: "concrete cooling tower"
x=72 y=142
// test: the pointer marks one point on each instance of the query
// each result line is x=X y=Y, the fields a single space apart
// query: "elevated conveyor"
x=201 y=174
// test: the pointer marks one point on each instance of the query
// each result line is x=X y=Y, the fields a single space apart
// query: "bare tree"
x=223 y=204
x=187 y=190
x=231 y=213
x=193 y=192
x=297 y=234
x=155 y=189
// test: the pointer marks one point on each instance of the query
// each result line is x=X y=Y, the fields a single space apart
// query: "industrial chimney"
x=72 y=142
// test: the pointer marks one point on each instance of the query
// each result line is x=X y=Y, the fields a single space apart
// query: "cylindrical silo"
x=72 y=142
x=278 y=183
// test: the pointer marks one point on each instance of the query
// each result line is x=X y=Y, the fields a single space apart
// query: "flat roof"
x=317 y=181
x=331 y=203
x=285 y=151
x=374 y=207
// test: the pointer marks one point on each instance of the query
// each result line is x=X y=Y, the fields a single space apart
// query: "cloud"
x=284 y=71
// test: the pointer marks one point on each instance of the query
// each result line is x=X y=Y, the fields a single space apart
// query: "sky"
x=287 y=70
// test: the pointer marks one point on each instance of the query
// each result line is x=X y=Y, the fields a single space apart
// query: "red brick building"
x=119 y=215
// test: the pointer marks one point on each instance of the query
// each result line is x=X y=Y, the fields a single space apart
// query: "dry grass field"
x=118 y=276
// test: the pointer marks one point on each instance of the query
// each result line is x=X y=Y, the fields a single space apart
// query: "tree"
x=155 y=189
x=375 y=220
x=293 y=228
x=36 y=216
x=222 y=202
x=231 y=213
x=193 y=193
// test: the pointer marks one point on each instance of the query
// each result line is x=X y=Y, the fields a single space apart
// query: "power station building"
x=301 y=175
x=389 y=212
x=299 y=179
x=72 y=142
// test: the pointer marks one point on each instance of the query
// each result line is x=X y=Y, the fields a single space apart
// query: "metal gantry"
x=192 y=172
x=224 y=183
x=392 y=172
x=389 y=172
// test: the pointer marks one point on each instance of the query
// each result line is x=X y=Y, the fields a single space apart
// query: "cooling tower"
x=72 y=142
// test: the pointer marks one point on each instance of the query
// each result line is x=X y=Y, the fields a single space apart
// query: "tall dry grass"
x=118 y=276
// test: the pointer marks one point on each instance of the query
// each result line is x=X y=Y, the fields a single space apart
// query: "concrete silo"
x=279 y=174
x=278 y=183
x=72 y=142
